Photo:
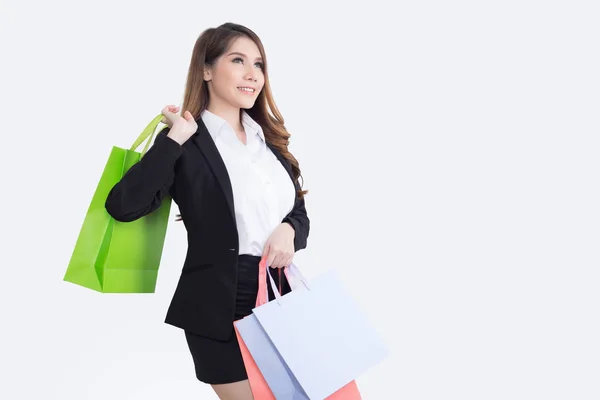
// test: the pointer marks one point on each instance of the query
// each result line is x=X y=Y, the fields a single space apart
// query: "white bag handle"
x=290 y=272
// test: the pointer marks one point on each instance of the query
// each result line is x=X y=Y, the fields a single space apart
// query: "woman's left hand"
x=279 y=248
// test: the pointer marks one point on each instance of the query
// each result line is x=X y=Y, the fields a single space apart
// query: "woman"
x=226 y=164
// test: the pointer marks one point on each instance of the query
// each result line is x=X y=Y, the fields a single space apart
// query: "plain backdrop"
x=450 y=150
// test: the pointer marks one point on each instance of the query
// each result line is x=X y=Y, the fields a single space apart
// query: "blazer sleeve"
x=299 y=220
x=142 y=188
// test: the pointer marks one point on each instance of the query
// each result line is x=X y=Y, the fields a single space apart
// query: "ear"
x=207 y=75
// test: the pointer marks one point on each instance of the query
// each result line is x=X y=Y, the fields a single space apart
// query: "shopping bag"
x=267 y=372
x=268 y=366
x=119 y=257
x=259 y=387
x=320 y=334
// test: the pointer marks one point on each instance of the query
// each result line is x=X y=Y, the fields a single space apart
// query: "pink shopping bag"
x=258 y=385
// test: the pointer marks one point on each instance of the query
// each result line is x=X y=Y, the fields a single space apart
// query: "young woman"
x=225 y=162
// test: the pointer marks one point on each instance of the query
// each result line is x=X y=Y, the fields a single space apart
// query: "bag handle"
x=147 y=133
x=262 y=297
x=294 y=273
x=263 y=273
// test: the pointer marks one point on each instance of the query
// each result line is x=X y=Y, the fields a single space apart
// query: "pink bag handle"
x=292 y=274
x=263 y=295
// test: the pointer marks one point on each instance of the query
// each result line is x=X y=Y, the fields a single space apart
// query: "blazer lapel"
x=207 y=146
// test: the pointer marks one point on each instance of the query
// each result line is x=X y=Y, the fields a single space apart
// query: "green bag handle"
x=147 y=133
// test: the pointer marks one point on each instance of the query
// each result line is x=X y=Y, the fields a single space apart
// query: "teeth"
x=245 y=89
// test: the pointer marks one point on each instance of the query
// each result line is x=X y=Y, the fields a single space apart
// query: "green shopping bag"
x=119 y=257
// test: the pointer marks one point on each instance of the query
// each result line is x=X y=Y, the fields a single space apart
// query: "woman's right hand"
x=181 y=127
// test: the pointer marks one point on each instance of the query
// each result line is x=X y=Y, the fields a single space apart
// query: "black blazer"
x=195 y=177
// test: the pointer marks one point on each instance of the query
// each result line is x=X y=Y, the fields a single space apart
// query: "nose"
x=252 y=75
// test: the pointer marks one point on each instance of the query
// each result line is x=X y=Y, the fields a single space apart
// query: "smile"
x=246 y=90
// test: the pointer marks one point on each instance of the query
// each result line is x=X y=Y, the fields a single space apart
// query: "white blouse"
x=263 y=192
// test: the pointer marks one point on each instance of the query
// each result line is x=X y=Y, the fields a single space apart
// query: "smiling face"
x=236 y=78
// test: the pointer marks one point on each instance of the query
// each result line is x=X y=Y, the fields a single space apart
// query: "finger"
x=167 y=108
x=271 y=257
x=188 y=115
x=265 y=254
x=273 y=263
x=279 y=261
x=289 y=261
x=285 y=261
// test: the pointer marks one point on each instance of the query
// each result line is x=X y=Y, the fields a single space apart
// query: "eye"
x=260 y=64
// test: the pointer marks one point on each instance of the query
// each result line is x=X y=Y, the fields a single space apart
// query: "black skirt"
x=219 y=362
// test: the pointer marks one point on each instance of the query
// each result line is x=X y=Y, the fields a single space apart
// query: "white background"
x=450 y=150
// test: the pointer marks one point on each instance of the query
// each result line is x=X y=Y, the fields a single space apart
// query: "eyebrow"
x=243 y=55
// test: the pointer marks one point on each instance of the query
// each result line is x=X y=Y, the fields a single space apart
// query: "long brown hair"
x=210 y=45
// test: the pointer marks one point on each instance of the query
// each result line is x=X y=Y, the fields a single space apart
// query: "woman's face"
x=236 y=78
